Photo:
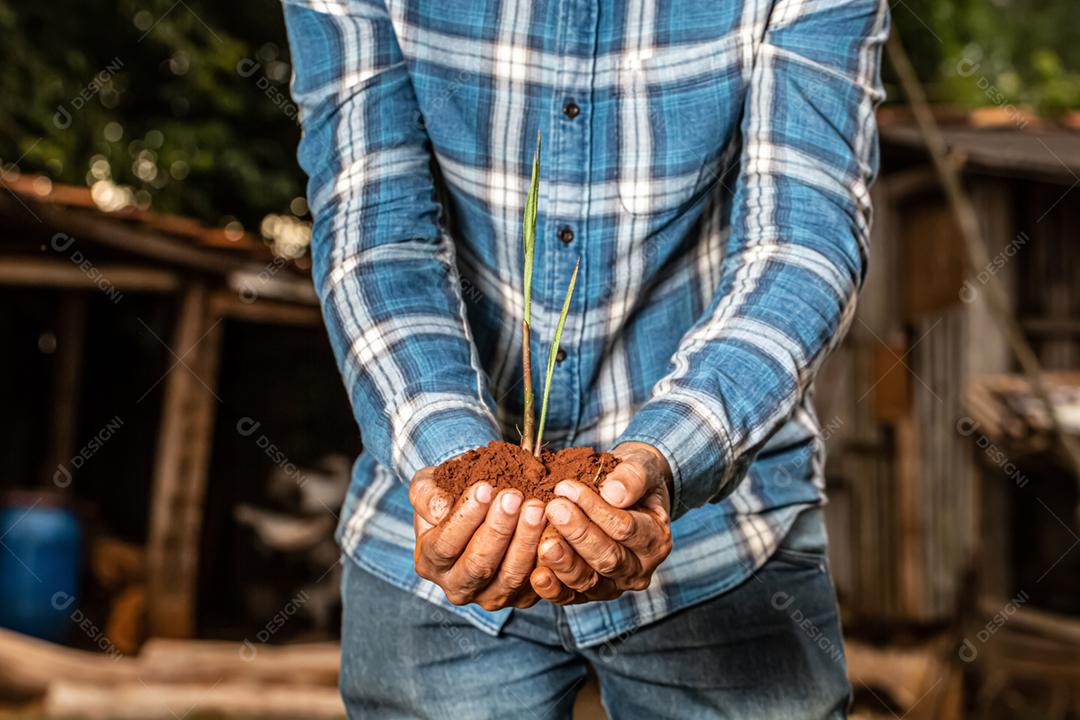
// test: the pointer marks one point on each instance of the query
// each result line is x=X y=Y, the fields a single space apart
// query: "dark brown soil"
x=506 y=466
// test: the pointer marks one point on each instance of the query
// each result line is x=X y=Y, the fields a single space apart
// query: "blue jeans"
x=769 y=648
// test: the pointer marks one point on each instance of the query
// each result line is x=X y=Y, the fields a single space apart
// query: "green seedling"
x=529 y=234
x=552 y=353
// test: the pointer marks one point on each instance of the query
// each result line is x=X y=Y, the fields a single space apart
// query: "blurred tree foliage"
x=974 y=53
x=185 y=101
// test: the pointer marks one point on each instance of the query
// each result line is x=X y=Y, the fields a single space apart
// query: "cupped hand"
x=600 y=545
x=480 y=548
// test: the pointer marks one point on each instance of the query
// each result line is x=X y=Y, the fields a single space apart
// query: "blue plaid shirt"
x=708 y=161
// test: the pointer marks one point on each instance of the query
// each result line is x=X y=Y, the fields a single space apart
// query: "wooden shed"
x=61 y=246
x=917 y=512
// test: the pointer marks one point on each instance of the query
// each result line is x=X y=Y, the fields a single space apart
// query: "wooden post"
x=180 y=468
x=70 y=335
x=989 y=354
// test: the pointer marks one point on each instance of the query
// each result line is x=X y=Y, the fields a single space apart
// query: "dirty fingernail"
x=552 y=550
x=613 y=491
x=558 y=512
x=483 y=493
x=567 y=490
x=534 y=514
x=510 y=502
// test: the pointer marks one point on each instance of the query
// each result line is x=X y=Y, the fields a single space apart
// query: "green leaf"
x=551 y=356
x=529 y=227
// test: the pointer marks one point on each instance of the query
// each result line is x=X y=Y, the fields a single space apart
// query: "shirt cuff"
x=442 y=431
x=695 y=445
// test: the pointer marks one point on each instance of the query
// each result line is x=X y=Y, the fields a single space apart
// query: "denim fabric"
x=770 y=648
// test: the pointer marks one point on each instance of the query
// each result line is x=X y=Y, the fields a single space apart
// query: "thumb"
x=428 y=501
x=625 y=485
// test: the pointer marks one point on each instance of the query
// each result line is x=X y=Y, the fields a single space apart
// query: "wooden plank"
x=910 y=521
x=99 y=227
x=210 y=661
x=934 y=264
x=1051 y=155
x=228 y=304
x=272 y=282
x=146 y=701
x=1022 y=618
x=902 y=671
x=1051 y=268
x=941 y=496
x=28 y=666
x=988 y=352
x=180 y=469
x=892 y=388
x=37 y=272
x=1051 y=326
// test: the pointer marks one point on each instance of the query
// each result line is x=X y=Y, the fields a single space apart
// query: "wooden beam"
x=212 y=660
x=988 y=352
x=228 y=304
x=93 y=224
x=1051 y=326
x=270 y=283
x=29 y=666
x=181 y=467
x=38 y=272
x=145 y=701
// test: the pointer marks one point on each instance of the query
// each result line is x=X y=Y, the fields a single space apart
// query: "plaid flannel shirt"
x=708 y=161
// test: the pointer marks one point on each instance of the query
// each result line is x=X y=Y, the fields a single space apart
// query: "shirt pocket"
x=676 y=114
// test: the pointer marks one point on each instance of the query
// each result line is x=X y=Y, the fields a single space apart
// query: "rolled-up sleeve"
x=797 y=253
x=383 y=264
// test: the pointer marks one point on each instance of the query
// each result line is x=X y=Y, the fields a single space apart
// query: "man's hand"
x=480 y=549
x=600 y=545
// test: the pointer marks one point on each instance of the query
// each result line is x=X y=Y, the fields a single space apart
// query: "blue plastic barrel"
x=40 y=555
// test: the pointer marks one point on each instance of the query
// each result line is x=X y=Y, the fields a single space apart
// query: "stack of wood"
x=1029 y=658
x=916 y=681
x=173 y=678
x=1004 y=409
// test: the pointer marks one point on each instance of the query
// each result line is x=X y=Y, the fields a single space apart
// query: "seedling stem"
x=529 y=234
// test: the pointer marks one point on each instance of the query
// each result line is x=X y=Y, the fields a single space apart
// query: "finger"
x=428 y=501
x=568 y=566
x=520 y=557
x=605 y=589
x=484 y=553
x=620 y=525
x=526 y=598
x=440 y=548
x=548 y=586
x=592 y=544
x=631 y=528
x=420 y=526
x=625 y=485
x=656 y=503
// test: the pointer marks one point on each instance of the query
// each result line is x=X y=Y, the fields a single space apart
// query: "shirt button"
x=566 y=235
x=560 y=356
x=571 y=109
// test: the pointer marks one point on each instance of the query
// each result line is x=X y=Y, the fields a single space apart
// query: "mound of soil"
x=505 y=466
